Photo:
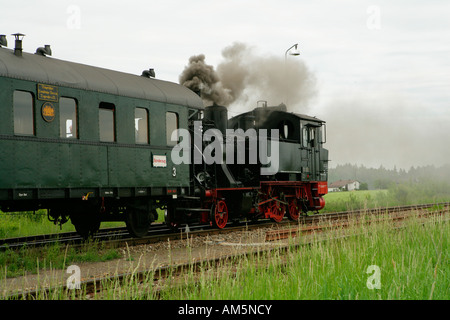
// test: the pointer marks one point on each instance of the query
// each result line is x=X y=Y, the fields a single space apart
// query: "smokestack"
x=18 y=47
x=218 y=115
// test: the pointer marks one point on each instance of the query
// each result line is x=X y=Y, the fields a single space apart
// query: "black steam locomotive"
x=267 y=163
x=90 y=145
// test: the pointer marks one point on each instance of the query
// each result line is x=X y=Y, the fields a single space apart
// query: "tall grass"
x=28 y=223
x=55 y=256
x=413 y=264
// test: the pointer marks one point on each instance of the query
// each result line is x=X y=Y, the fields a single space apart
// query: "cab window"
x=286 y=130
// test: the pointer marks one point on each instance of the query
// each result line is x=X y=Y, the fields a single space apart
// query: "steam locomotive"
x=91 y=144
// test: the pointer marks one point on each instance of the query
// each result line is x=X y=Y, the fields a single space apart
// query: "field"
x=395 y=195
x=34 y=223
x=352 y=200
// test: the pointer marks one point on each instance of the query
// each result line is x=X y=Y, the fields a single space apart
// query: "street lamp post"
x=295 y=52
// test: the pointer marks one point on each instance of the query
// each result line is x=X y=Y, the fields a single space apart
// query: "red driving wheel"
x=277 y=211
x=220 y=214
x=294 y=210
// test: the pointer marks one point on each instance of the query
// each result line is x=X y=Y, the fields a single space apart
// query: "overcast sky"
x=382 y=70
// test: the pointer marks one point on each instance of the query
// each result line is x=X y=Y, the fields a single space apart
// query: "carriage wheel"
x=294 y=210
x=138 y=222
x=85 y=225
x=219 y=214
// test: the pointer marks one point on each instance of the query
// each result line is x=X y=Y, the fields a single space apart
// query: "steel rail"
x=159 y=232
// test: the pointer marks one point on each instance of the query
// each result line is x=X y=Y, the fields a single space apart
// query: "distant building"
x=343 y=185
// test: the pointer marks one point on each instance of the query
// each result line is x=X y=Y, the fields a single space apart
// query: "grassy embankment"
x=412 y=263
x=424 y=254
x=377 y=262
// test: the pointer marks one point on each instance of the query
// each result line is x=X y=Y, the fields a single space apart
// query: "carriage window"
x=68 y=127
x=171 y=126
x=23 y=113
x=141 y=125
x=106 y=122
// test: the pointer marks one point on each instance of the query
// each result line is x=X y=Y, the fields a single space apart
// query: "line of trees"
x=382 y=178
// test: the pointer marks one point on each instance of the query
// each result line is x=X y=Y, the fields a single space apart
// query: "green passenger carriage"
x=88 y=143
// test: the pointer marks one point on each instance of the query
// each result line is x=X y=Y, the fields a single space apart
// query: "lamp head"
x=295 y=51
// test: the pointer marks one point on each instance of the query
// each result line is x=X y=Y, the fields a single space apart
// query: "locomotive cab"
x=302 y=156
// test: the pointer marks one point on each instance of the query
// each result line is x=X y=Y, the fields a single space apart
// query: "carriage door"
x=309 y=151
x=305 y=150
x=315 y=147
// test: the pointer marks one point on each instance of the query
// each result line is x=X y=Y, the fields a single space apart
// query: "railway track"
x=176 y=270
x=159 y=232
x=106 y=234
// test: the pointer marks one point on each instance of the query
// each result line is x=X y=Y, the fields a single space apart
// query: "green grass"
x=20 y=224
x=28 y=260
x=352 y=200
x=413 y=264
x=340 y=256
x=395 y=195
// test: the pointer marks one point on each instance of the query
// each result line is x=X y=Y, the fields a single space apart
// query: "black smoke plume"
x=203 y=79
x=245 y=77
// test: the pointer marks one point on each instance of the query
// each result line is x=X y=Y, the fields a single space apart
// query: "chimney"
x=44 y=51
x=150 y=73
x=18 y=47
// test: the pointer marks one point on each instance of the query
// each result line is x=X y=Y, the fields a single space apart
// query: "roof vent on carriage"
x=150 y=73
x=18 y=44
x=44 y=51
